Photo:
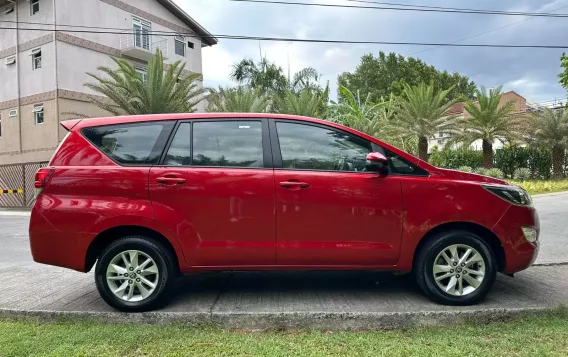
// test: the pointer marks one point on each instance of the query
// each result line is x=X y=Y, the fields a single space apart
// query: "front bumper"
x=519 y=252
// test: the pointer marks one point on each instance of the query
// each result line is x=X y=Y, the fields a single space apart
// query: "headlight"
x=513 y=194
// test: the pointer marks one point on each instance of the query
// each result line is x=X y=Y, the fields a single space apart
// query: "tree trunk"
x=487 y=154
x=558 y=162
x=423 y=148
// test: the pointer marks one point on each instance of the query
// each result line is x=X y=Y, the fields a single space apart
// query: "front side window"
x=179 y=153
x=228 y=143
x=34 y=6
x=308 y=147
x=180 y=46
x=38 y=114
x=36 y=59
x=130 y=144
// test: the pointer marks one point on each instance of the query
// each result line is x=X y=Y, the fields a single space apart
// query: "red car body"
x=263 y=218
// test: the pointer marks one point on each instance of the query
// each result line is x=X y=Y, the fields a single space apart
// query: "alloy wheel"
x=132 y=275
x=459 y=270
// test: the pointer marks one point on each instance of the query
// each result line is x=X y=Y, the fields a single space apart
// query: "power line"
x=421 y=9
x=482 y=33
x=283 y=39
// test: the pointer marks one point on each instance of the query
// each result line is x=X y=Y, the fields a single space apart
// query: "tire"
x=159 y=272
x=442 y=291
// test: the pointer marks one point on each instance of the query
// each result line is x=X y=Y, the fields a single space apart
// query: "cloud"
x=531 y=72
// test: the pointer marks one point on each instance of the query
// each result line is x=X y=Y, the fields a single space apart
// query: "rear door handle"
x=294 y=185
x=168 y=180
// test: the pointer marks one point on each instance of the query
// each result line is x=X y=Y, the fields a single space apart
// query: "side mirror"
x=377 y=162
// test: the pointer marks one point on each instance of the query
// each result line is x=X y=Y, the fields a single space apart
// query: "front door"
x=215 y=191
x=330 y=211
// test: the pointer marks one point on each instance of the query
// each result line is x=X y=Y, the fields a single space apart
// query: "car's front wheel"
x=135 y=274
x=456 y=268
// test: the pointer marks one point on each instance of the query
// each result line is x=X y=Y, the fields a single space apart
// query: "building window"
x=143 y=72
x=36 y=59
x=9 y=10
x=10 y=60
x=38 y=114
x=180 y=46
x=141 y=30
x=34 y=6
x=13 y=113
x=190 y=44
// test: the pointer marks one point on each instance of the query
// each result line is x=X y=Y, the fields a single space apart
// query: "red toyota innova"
x=151 y=197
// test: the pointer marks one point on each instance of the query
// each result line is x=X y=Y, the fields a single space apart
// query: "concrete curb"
x=285 y=320
x=15 y=213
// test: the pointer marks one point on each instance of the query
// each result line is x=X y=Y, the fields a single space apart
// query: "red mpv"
x=153 y=197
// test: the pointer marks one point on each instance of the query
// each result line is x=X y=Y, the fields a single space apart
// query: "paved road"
x=27 y=285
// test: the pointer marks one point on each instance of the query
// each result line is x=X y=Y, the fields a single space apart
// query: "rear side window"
x=228 y=143
x=131 y=144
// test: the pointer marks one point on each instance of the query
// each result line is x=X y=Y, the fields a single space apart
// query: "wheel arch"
x=106 y=237
x=484 y=233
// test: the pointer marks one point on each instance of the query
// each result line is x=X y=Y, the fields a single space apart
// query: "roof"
x=206 y=37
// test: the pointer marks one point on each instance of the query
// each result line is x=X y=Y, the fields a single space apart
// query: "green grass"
x=542 y=186
x=542 y=335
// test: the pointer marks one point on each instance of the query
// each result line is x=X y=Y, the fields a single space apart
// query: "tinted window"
x=129 y=143
x=402 y=166
x=179 y=152
x=228 y=143
x=307 y=147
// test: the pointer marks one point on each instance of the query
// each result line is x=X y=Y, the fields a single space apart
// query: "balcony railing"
x=142 y=45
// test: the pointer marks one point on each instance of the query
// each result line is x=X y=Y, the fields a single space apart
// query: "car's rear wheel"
x=455 y=268
x=135 y=274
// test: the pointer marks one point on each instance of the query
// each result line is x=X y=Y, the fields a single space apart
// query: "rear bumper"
x=519 y=253
x=54 y=247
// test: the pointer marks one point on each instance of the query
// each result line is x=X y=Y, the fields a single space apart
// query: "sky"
x=530 y=72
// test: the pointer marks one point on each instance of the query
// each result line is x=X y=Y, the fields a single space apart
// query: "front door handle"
x=170 y=180
x=294 y=185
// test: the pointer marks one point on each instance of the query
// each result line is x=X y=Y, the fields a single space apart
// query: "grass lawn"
x=542 y=335
x=542 y=186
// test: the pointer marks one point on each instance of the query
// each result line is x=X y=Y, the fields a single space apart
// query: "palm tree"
x=162 y=91
x=238 y=100
x=489 y=120
x=308 y=102
x=358 y=113
x=550 y=130
x=264 y=76
x=421 y=112
x=268 y=77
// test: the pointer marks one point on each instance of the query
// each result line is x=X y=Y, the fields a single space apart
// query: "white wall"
x=73 y=64
x=7 y=37
x=100 y=14
x=8 y=81
x=39 y=80
x=45 y=15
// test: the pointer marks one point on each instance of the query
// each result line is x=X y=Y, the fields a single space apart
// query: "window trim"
x=266 y=144
x=10 y=60
x=160 y=142
x=38 y=108
x=143 y=69
x=14 y=111
x=180 y=39
x=32 y=3
x=143 y=24
x=34 y=57
x=277 y=152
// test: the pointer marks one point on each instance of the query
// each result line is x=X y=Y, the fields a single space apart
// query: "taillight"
x=42 y=177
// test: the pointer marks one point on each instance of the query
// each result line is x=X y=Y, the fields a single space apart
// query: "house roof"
x=207 y=38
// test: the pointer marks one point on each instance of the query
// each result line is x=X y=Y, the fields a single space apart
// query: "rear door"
x=214 y=189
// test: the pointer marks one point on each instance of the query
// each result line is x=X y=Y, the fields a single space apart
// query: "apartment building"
x=47 y=46
x=441 y=138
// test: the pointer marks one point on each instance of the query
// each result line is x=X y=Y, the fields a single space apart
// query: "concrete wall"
x=38 y=80
x=74 y=106
x=10 y=140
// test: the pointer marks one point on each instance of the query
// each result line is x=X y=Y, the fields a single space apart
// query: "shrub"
x=481 y=171
x=522 y=173
x=495 y=172
x=538 y=161
x=465 y=169
x=455 y=158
